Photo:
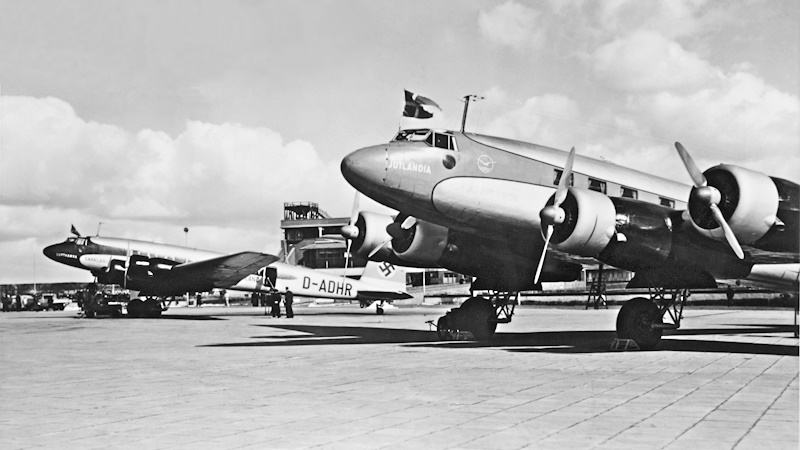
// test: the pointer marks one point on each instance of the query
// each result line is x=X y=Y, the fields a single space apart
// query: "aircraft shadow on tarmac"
x=550 y=342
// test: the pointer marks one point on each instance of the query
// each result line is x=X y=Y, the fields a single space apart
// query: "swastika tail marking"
x=387 y=269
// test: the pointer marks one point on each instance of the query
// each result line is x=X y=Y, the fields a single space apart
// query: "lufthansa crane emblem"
x=485 y=163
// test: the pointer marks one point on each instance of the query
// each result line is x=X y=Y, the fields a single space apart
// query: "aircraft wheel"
x=635 y=321
x=89 y=313
x=136 y=308
x=379 y=311
x=479 y=318
x=443 y=328
x=152 y=308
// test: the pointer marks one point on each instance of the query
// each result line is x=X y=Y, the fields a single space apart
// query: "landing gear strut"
x=477 y=316
x=642 y=320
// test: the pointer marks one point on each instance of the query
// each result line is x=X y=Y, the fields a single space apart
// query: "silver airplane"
x=513 y=214
x=162 y=270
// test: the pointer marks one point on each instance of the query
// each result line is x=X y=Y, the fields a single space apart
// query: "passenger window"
x=597 y=185
x=557 y=177
x=667 y=202
x=629 y=193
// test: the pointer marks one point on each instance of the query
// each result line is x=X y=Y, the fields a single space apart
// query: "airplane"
x=160 y=270
x=514 y=214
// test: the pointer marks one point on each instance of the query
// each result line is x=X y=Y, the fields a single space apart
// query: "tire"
x=135 y=308
x=479 y=318
x=443 y=328
x=635 y=321
x=152 y=308
x=379 y=311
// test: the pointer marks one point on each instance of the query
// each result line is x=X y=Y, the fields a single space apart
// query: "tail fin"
x=385 y=274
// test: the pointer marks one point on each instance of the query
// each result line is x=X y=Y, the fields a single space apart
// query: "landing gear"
x=136 y=308
x=379 y=308
x=478 y=316
x=637 y=320
x=152 y=308
x=642 y=320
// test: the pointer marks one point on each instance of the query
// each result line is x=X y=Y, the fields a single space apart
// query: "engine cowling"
x=371 y=234
x=423 y=243
x=588 y=226
x=749 y=202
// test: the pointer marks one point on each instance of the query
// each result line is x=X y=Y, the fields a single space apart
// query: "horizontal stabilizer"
x=382 y=295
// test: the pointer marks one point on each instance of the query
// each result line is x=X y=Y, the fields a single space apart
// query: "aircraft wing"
x=222 y=271
x=201 y=276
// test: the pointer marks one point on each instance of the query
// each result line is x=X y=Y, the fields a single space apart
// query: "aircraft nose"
x=365 y=168
x=51 y=250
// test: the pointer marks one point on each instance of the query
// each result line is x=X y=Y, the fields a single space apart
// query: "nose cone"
x=51 y=250
x=64 y=253
x=365 y=168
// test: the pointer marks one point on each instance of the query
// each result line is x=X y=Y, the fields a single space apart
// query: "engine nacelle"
x=371 y=234
x=423 y=243
x=590 y=218
x=749 y=202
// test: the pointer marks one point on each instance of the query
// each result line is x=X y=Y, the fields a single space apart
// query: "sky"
x=140 y=119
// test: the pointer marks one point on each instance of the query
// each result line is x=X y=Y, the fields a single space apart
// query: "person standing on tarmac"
x=288 y=299
x=275 y=301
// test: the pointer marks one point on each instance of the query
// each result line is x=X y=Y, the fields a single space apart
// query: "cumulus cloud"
x=647 y=61
x=533 y=120
x=228 y=180
x=512 y=24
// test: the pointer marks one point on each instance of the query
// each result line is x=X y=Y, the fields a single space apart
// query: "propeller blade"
x=378 y=248
x=544 y=252
x=563 y=183
x=354 y=211
x=695 y=174
x=731 y=238
x=408 y=223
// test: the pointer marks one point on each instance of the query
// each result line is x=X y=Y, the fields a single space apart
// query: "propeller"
x=553 y=214
x=708 y=196
x=393 y=231
x=350 y=231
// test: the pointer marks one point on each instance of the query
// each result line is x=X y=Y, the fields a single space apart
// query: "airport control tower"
x=311 y=238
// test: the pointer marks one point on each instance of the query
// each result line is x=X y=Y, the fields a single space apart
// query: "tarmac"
x=339 y=377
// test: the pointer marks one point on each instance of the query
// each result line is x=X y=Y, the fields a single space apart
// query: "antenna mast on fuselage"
x=466 y=100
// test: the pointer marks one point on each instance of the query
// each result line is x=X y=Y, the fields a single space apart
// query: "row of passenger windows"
x=602 y=187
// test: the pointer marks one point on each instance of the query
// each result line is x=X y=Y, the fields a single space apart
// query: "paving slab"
x=341 y=377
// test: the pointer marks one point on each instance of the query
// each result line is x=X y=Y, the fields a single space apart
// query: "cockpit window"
x=436 y=139
x=412 y=135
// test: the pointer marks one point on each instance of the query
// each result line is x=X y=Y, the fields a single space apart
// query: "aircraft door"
x=270 y=276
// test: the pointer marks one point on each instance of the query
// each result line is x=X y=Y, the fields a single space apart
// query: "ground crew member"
x=6 y=303
x=288 y=300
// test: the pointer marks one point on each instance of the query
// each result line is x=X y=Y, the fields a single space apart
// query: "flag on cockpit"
x=74 y=230
x=415 y=106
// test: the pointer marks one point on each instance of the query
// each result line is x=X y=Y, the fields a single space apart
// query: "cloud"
x=533 y=121
x=228 y=180
x=742 y=119
x=648 y=61
x=512 y=24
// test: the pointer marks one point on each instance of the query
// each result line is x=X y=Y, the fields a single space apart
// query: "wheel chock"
x=624 y=345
